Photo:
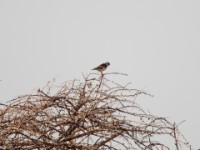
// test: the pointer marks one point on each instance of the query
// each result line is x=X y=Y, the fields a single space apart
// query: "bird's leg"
x=102 y=74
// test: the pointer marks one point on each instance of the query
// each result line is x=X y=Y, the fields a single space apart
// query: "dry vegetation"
x=92 y=114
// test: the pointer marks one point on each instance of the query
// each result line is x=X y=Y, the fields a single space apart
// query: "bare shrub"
x=85 y=115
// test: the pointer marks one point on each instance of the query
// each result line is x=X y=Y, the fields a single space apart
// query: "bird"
x=102 y=67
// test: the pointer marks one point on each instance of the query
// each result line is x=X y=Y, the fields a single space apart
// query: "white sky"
x=157 y=43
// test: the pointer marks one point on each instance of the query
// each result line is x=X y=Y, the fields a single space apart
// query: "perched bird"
x=102 y=67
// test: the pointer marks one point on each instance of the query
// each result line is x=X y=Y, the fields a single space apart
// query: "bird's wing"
x=102 y=65
x=96 y=68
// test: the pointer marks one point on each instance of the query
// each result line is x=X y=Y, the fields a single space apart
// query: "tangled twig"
x=94 y=114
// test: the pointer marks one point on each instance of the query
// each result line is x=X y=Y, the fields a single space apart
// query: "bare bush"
x=85 y=115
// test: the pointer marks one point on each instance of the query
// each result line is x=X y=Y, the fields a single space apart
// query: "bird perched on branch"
x=102 y=67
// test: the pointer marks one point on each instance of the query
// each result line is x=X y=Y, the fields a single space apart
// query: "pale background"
x=157 y=43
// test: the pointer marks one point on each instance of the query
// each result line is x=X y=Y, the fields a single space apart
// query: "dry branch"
x=96 y=113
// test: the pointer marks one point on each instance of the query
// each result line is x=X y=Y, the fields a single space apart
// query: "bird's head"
x=107 y=63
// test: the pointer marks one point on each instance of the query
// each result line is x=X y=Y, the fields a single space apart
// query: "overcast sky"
x=157 y=43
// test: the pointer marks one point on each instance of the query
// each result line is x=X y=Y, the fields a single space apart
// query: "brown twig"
x=97 y=113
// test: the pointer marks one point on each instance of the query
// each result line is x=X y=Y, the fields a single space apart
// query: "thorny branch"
x=96 y=113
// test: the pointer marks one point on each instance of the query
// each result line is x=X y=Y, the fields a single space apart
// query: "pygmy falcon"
x=102 y=67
